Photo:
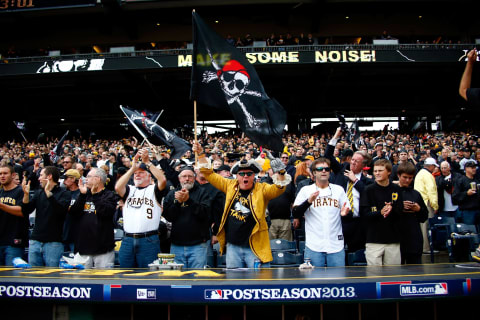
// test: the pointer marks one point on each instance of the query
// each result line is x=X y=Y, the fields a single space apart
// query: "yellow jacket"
x=426 y=185
x=258 y=200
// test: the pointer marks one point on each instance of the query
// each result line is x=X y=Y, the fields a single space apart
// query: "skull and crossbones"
x=234 y=80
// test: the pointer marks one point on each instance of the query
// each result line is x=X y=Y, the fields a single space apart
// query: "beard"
x=187 y=185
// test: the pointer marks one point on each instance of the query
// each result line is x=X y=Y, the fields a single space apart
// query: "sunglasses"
x=248 y=174
x=284 y=157
x=320 y=169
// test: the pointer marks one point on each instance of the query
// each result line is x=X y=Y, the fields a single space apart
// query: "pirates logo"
x=394 y=196
x=234 y=80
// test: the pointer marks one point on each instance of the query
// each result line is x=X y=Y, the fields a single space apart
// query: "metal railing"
x=304 y=48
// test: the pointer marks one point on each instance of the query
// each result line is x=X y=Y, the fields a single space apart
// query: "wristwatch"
x=148 y=165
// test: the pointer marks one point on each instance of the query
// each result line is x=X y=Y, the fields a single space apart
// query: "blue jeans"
x=7 y=253
x=191 y=256
x=241 y=257
x=44 y=253
x=323 y=259
x=469 y=216
x=139 y=252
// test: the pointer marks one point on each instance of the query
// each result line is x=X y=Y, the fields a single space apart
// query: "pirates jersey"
x=141 y=212
x=323 y=225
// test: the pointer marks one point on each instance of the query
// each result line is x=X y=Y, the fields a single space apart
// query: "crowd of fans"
x=450 y=158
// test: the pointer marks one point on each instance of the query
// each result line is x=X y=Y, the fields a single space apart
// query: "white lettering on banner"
x=279 y=294
x=45 y=292
x=422 y=289
x=345 y=56
x=273 y=57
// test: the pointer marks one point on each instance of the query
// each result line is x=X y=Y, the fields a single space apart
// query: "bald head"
x=445 y=168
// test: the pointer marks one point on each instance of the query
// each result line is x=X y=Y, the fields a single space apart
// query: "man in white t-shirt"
x=323 y=204
x=141 y=212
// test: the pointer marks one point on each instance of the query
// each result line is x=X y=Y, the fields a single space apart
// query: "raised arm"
x=467 y=74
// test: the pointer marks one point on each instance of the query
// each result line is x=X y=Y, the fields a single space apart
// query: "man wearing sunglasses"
x=243 y=230
x=323 y=204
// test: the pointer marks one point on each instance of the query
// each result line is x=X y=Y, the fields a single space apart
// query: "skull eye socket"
x=227 y=76
x=239 y=84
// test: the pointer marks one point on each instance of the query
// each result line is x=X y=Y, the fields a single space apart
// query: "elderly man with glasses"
x=95 y=207
x=188 y=208
x=323 y=204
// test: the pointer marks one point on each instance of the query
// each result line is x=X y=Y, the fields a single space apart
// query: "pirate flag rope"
x=222 y=77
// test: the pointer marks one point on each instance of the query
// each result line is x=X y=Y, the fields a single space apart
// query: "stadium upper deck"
x=378 y=85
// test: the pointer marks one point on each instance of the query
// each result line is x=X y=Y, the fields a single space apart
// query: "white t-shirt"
x=141 y=212
x=323 y=225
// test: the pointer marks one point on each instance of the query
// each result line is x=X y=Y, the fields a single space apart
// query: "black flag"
x=58 y=150
x=157 y=135
x=222 y=77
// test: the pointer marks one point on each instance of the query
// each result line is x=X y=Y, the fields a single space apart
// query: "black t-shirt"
x=372 y=200
x=240 y=221
x=473 y=96
x=13 y=229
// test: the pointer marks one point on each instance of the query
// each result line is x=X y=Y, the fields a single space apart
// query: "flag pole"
x=195 y=128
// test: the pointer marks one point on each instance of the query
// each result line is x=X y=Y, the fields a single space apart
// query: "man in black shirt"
x=465 y=194
x=50 y=203
x=13 y=225
x=188 y=208
x=414 y=212
x=381 y=204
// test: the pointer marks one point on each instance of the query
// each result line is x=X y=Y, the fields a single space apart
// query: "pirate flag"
x=222 y=77
x=157 y=135
x=341 y=119
x=354 y=133
x=58 y=150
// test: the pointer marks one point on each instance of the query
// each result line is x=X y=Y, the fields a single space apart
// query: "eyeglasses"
x=320 y=169
x=284 y=157
x=187 y=177
x=248 y=174
x=67 y=161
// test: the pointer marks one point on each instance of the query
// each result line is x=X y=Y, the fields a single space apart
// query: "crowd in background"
x=455 y=150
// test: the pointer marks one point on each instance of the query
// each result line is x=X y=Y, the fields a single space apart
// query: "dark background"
x=89 y=100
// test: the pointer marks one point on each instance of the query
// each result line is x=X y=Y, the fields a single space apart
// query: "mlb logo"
x=213 y=294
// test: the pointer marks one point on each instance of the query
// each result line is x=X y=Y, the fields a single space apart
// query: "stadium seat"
x=283 y=245
x=220 y=261
x=301 y=247
x=441 y=220
x=357 y=258
x=118 y=234
x=299 y=234
x=463 y=240
x=463 y=228
x=283 y=259
x=439 y=232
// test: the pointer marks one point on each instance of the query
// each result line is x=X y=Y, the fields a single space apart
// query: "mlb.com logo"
x=213 y=294
x=146 y=294
x=423 y=289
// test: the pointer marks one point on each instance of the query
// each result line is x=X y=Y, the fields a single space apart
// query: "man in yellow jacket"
x=425 y=184
x=243 y=230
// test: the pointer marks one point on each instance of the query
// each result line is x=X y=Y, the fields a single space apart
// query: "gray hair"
x=101 y=174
